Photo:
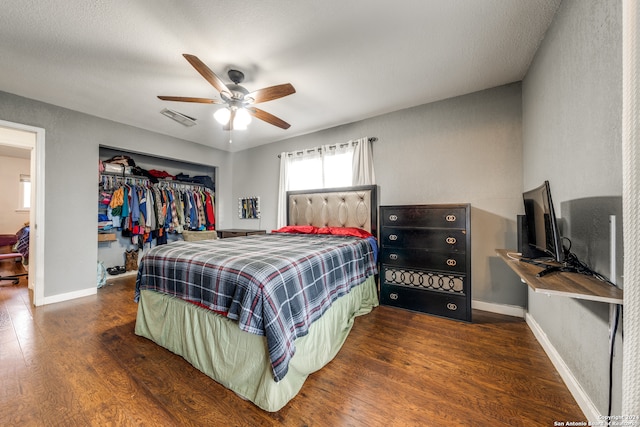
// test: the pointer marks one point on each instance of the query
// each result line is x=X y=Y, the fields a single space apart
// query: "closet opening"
x=167 y=187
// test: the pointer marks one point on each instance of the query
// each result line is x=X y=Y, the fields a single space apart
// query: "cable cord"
x=571 y=260
x=613 y=342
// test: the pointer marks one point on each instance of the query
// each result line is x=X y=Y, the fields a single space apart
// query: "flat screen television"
x=542 y=227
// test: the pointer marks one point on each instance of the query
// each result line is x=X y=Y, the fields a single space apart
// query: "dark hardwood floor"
x=79 y=363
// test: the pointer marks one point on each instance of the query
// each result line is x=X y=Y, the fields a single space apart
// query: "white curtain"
x=363 y=173
x=282 y=190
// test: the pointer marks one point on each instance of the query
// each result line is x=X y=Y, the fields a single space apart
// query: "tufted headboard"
x=335 y=207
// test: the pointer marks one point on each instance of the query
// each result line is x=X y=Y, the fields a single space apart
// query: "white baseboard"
x=586 y=405
x=70 y=295
x=508 y=310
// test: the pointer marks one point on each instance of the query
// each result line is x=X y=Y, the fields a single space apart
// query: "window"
x=338 y=170
x=323 y=167
x=305 y=171
x=25 y=193
x=327 y=167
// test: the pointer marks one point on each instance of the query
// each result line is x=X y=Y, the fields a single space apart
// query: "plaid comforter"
x=274 y=285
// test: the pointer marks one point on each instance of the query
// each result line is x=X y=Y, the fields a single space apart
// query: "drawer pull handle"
x=451 y=240
x=393 y=256
x=393 y=237
x=451 y=262
x=393 y=296
x=451 y=306
x=450 y=218
x=393 y=217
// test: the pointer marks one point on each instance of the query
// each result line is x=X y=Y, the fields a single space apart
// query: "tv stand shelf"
x=571 y=285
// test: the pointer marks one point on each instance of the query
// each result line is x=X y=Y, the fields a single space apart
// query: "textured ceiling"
x=348 y=60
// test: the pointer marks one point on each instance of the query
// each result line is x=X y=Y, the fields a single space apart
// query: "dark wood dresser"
x=237 y=232
x=425 y=259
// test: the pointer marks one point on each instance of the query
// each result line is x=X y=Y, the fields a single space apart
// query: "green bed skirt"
x=239 y=360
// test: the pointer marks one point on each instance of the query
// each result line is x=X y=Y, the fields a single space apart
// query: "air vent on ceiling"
x=179 y=117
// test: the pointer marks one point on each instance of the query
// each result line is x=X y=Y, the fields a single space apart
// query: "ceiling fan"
x=239 y=101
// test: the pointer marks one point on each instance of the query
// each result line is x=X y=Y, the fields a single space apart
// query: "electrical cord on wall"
x=617 y=316
x=571 y=260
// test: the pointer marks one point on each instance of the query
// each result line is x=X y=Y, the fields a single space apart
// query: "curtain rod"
x=372 y=139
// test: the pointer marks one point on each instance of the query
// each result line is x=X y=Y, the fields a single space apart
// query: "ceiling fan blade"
x=209 y=75
x=271 y=93
x=267 y=117
x=189 y=99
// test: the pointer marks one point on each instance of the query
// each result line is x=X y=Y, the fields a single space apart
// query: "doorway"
x=28 y=142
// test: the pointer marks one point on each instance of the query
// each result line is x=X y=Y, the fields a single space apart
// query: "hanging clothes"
x=210 y=217
x=148 y=211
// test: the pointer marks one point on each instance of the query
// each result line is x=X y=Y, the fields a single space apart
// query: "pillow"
x=298 y=229
x=345 y=231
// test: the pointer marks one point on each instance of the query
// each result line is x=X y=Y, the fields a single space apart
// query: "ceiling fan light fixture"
x=242 y=119
x=222 y=115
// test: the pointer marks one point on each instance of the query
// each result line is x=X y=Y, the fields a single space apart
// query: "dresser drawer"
x=430 y=280
x=417 y=216
x=436 y=238
x=420 y=258
x=449 y=305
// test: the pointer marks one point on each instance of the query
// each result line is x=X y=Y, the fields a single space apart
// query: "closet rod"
x=372 y=139
x=160 y=180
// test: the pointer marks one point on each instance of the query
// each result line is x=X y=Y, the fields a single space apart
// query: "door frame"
x=36 y=213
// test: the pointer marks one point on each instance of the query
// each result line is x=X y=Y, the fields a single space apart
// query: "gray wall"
x=465 y=149
x=71 y=162
x=572 y=97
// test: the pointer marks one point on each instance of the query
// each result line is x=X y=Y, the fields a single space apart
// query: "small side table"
x=236 y=232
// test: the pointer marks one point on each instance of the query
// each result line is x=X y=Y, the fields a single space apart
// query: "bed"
x=259 y=313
